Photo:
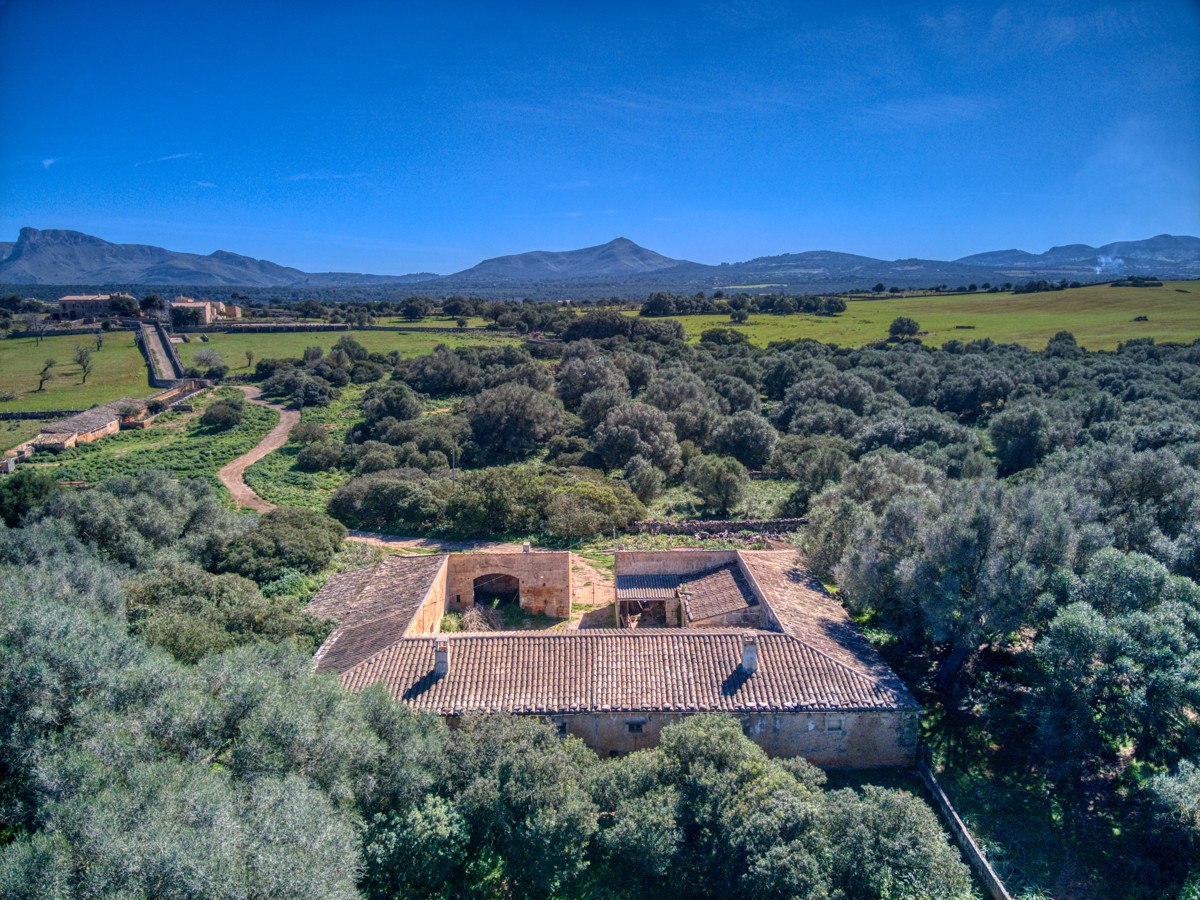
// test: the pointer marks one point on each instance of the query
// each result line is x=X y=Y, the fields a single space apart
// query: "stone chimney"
x=526 y=547
x=441 y=657
x=749 y=653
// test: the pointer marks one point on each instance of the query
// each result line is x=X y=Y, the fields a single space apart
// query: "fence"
x=975 y=858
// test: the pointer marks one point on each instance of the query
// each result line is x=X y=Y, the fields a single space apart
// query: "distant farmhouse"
x=101 y=421
x=747 y=633
x=187 y=311
x=79 y=306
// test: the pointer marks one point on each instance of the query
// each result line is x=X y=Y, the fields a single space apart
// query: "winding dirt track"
x=593 y=588
x=232 y=474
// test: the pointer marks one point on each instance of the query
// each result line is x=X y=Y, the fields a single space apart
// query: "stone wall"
x=429 y=617
x=718 y=526
x=544 y=576
x=833 y=739
x=670 y=562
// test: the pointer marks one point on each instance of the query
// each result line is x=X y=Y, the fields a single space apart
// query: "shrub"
x=903 y=326
x=585 y=508
x=285 y=538
x=643 y=478
x=23 y=491
x=719 y=480
x=321 y=457
x=636 y=429
x=223 y=414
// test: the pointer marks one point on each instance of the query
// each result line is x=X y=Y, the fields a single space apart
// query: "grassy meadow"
x=1099 y=316
x=291 y=344
x=119 y=371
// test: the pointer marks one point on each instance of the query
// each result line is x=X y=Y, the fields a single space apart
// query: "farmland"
x=120 y=371
x=1099 y=316
x=289 y=344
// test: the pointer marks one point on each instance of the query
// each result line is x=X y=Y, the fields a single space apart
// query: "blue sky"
x=400 y=137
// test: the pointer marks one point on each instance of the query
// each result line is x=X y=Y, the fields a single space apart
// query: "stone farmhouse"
x=205 y=312
x=78 y=306
x=746 y=633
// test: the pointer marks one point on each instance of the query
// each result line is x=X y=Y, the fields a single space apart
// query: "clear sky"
x=394 y=137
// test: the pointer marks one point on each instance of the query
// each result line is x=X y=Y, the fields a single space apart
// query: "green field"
x=120 y=371
x=1099 y=316
x=18 y=431
x=291 y=344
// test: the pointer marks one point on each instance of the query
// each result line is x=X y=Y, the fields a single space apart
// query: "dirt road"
x=232 y=473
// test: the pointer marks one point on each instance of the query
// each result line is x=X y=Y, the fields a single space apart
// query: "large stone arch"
x=544 y=579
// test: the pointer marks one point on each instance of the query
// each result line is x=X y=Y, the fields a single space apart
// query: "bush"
x=397 y=499
x=720 y=481
x=643 y=478
x=747 y=437
x=636 y=429
x=903 y=326
x=308 y=433
x=586 y=508
x=223 y=414
x=285 y=538
x=23 y=491
x=321 y=457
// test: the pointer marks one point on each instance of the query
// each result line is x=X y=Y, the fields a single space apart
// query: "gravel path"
x=232 y=473
x=393 y=542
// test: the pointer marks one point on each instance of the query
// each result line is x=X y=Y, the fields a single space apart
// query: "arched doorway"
x=494 y=590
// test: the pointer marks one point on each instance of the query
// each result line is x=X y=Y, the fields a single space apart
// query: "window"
x=613 y=754
x=562 y=728
x=634 y=727
x=834 y=723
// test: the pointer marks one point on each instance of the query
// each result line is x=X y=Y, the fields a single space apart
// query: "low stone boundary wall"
x=169 y=348
x=264 y=329
x=723 y=526
x=40 y=414
x=974 y=856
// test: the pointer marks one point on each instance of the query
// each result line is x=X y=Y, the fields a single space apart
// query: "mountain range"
x=617 y=267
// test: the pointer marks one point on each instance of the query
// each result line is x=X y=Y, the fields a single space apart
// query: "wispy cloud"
x=47 y=163
x=935 y=109
x=1031 y=28
x=168 y=158
x=326 y=176
x=205 y=184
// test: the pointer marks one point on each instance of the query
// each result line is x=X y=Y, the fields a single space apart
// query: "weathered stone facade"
x=832 y=740
x=544 y=576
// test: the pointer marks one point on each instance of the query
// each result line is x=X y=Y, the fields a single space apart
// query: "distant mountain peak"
x=618 y=258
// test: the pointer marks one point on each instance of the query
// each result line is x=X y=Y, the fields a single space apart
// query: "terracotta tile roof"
x=647 y=587
x=806 y=611
x=91 y=419
x=819 y=661
x=373 y=607
x=716 y=592
x=606 y=670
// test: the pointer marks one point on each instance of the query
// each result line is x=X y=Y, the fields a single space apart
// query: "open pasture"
x=119 y=371
x=291 y=344
x=1099 y=316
